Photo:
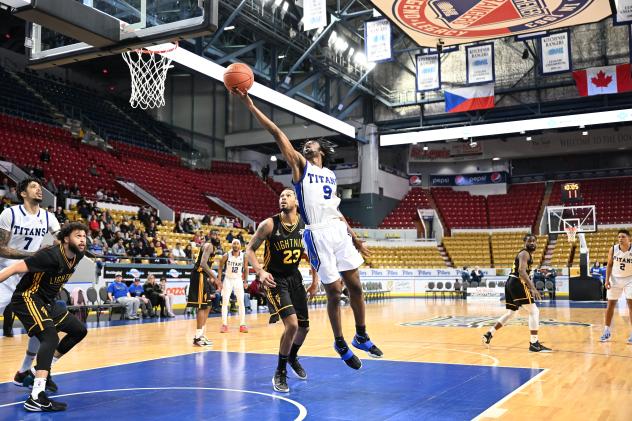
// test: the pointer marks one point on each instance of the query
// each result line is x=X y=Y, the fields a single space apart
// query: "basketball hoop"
x=148 y=70
x=571 y=233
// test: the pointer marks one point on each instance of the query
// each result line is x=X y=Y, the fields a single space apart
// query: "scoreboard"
x=570 y=193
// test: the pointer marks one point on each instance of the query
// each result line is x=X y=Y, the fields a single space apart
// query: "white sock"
x=27 y=363
x=492 y=330
x=606 y=329
x=39 y=385
x=199 y=333
x=55 y=359
x=534 y=339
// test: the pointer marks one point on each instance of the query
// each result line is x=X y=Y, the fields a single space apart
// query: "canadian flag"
x=603 y=80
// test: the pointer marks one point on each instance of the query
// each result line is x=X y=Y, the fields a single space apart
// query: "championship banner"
x=555 y=53
x=479 y=64
x=477 y=179
x=314 y=14
x=466 y=21
x=377 y=40
x=624 y=12
x=428 y=72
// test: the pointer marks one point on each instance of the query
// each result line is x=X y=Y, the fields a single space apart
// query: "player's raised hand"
x=266 y=279
x=243 y=95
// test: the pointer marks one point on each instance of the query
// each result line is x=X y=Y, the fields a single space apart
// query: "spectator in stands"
x=477 y=275
x=75 y=192
x=188 y=251
x=5 y=184
x=52 y=187
x=237 y=223
x=99 y=194
x=265 y=171
x=230 y=236
x=136 y=290
x=255 y=289
x=595 y=271
x=168 y=297
x=45 y=155
x=93 y=170
x=94 y=225
x=250 y=229
x=148 y=250
x=217 y=221
x=155 y=294
x=465 y=275
x=60 y=214
x=12 y=195
x=206 y=219
x=118 y=248
x=198 y=238
x=240 y=237
x=177 y=252
x=167 y=258
x=135 y=249
x=118 y=292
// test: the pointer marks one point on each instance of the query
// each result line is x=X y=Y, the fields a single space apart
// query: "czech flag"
x=603 y=80
x=478 y=97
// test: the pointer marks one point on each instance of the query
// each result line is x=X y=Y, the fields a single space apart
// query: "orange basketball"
x=238 y=75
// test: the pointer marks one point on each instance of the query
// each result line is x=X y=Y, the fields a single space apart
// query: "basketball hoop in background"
x=148 y=71
x=571 y=233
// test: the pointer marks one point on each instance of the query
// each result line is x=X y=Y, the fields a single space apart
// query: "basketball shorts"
x=331 y=250
x=35 y=314
x=517 y=294
x=199 y=291
x=287 y=298
x=619 y=286
x=7 y=288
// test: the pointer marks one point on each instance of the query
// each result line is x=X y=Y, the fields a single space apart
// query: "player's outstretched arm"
x=8 y=252
x=294 y=159
x=17 y=267
x=264 y=230
x=609 y=267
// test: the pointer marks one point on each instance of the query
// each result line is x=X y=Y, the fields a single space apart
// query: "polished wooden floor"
x=583 y=380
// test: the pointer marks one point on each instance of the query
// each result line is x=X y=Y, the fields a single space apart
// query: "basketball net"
x=148 y=71
x=571 y=233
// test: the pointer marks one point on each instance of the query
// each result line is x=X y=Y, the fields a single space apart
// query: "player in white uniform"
x=618 y=279
x=235 y=272
x=333 y=248
x=22 y=229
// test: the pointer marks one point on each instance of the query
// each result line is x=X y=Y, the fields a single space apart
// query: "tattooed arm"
x=8 y=252
x=263 y=233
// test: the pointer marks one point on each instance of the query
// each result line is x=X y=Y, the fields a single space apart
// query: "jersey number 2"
x=291 y=256
x=622 y=267
x=28 y=240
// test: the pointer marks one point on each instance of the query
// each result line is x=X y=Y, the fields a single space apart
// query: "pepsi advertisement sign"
x=496 y=177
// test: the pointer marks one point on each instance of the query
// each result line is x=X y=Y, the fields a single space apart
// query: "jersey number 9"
x=327 y=190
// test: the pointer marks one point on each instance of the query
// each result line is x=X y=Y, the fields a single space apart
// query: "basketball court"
x=435 y=366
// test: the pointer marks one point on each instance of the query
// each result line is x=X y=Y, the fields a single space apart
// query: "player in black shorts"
x=33 y=301
x=287 y=298
x=521 y=292
x=200 y=291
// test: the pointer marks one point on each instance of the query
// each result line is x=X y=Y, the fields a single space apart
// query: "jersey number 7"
x=28 y=240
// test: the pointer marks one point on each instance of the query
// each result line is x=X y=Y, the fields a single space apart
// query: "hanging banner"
x=377 y=41
x=456 y=22
x=428 y=72
x=624 y=12
x=555 y=52
x=479 y=64
x=314 y=14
